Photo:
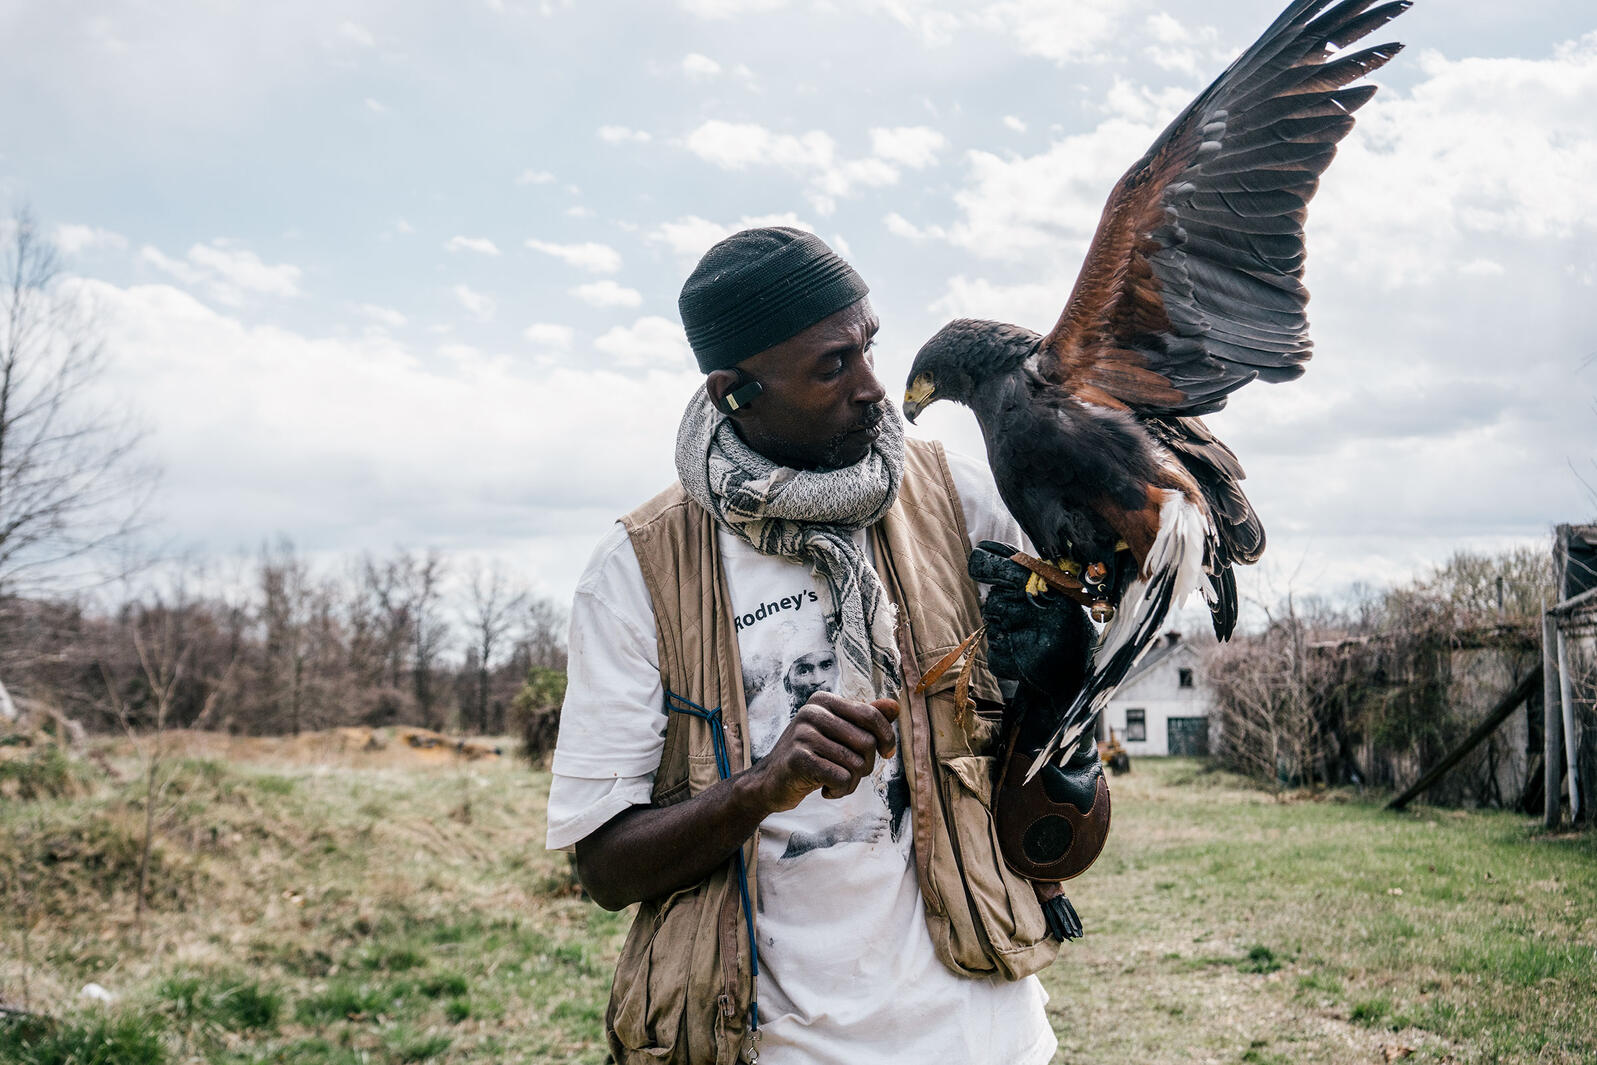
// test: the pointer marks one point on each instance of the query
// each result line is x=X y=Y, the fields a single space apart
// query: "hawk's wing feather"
x=1239 y=534
x=1192 y=286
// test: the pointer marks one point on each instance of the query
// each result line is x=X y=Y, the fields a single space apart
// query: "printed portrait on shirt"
x=809 y=673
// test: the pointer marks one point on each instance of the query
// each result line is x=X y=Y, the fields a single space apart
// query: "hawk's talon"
x=1035 y=585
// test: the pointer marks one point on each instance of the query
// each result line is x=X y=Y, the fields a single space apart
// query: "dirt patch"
x=397 y=747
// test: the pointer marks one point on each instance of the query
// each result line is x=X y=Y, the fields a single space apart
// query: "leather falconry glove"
x=1054 y=827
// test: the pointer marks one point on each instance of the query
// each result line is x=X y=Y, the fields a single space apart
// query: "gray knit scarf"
x=809 y=516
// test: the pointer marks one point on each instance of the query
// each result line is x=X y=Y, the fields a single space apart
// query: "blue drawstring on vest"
x=723 y=766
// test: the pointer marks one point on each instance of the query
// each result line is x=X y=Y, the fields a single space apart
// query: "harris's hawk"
x=1192 y=288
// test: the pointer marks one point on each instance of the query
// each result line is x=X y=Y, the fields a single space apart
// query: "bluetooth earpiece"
x=742 y=391
x=743 y=395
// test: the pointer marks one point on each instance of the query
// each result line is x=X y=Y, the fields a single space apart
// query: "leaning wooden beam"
x=1488 y=725
x=1584 y=601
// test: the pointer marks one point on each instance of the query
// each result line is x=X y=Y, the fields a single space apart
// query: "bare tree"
x=164 y=639
x=1271 y=699
x=429 y=631
x=1479 y=587
x=365 y=623
x=71 y=487
x=287 y=611
x=493 y=607
x=543 y=641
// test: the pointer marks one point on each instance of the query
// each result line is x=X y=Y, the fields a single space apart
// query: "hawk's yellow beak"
x=921 y=393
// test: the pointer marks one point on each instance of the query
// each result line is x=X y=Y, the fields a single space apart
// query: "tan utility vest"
x=683 y=984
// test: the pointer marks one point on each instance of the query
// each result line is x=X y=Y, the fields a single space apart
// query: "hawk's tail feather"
x=1175 y=568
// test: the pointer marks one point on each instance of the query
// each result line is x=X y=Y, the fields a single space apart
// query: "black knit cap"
x=760 y=287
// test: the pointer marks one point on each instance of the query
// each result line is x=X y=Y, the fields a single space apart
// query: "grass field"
x=311 y=914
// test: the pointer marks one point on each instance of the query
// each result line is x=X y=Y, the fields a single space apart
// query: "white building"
x=1162 y=707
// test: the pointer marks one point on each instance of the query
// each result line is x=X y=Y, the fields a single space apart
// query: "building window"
x=1186 y=678
x=1136 y=725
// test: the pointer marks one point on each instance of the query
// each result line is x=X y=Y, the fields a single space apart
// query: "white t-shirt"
x=847 y=969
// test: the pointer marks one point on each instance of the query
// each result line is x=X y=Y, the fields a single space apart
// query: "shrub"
x=235 y=1005
x=535 y=713
x=42 y=772
x=126 y=1039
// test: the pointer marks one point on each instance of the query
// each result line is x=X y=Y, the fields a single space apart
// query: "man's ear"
x=731 y=390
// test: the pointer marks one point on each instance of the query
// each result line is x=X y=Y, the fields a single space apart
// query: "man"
x=850 y=838
x=810 y=673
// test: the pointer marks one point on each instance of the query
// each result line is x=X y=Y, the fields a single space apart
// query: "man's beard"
x=844 y=448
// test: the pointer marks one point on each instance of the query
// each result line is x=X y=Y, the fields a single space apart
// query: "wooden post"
x=1571 y=745
x=1552 y=724
x=1498 y=714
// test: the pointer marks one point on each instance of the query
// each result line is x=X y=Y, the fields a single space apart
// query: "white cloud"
x=479 y=305
x=1460 y=161
x=375 y=106
x=1015 y=124
x=1165 y=28
x=812 y=156
x=1193 y=52
x=535 y=177
x=244 y=270
x=403 y=227
x=692 y=236
x=250 y=447
x=623 y=135
x=699 y=67
x=592 y=257
x=1066 y=31
x=1145 y=104
x=1461 y=136
x=1035 y=305
x=1482 y=268
x=738 y=145
x=73 y=239
x=384 y=316
x=648 y=342
x=900 y=226
x=1013 y=207
x=228 y=274
x=729 y=8
x=549 y=335
x=480 y=245
x=915 y=147
x=354 y=33
x=607 y=293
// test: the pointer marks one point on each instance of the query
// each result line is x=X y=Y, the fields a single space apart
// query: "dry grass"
x=397 y=914
x=327 y=905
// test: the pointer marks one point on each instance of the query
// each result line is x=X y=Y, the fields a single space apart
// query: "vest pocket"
x=648 y=1001
x=1003 y=905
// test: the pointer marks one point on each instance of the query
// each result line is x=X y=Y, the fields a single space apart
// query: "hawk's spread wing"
x=1192 y=286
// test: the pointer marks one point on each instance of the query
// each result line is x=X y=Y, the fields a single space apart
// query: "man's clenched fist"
x=831 y=744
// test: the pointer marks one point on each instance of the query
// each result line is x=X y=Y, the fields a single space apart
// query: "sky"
x=380 y=274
